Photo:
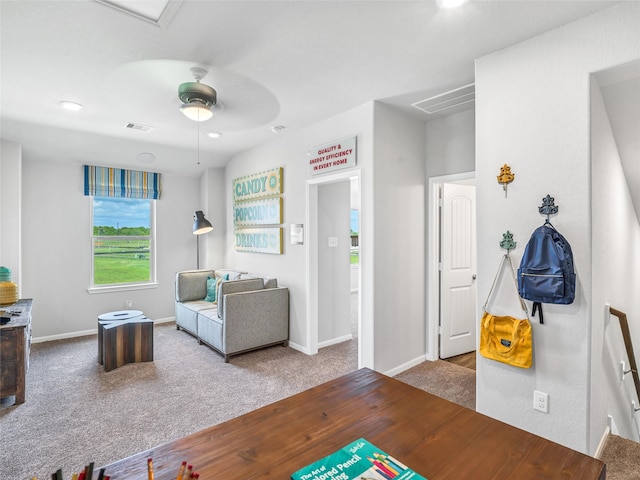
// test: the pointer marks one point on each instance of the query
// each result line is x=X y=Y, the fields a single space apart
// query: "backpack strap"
x=537 y=306
x=506 y=258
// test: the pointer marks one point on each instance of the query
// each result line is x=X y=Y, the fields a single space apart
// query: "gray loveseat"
x=250 y=312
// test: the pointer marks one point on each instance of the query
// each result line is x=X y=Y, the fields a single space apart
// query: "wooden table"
x=15 y=342
x=438 y=439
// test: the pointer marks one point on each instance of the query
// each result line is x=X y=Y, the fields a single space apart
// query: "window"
x=122 y=242
x=355 y=237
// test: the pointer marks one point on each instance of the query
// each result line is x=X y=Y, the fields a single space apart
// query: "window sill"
x=121 y=288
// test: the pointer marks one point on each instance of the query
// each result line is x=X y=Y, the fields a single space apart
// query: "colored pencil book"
x=360 y=460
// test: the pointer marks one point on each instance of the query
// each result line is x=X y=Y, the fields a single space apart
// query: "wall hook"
x=548 y=207
x=505 y=177
x=507 y=241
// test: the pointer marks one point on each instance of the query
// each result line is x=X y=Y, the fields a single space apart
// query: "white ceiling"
x=289 y=63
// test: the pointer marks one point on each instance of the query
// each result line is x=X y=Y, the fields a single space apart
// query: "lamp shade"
x=200 y=224
x=197 y=112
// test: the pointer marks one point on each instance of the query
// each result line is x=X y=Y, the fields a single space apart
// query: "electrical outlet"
x=128 y=303
x=541 y=401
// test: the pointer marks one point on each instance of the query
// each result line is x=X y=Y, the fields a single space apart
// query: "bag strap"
x=506 y=258
x=537 y=306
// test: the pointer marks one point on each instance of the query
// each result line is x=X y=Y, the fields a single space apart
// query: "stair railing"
x=626 y=335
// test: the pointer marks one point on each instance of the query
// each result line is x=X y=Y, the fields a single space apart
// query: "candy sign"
x=263 y=184
x=333 y=156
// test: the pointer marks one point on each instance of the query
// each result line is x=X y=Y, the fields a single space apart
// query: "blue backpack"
x=546 y=273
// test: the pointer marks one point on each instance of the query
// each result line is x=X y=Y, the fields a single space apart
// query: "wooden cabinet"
x=15 y=342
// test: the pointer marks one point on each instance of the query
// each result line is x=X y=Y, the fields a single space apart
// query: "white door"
x=458 y=272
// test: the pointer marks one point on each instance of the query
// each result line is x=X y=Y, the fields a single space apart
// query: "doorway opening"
x=452 y=306
x=334 y=293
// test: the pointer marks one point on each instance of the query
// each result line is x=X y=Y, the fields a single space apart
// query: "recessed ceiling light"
x=71 y=105
x=146 y=157
x=214 y=134
x=450 y=3
x=277 y=128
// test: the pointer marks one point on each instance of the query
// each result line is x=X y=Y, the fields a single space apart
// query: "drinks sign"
x=260 y=240
x=333 y=156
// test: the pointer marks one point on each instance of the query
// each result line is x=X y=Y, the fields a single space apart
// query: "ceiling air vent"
x=139 y=126
x=444 y=101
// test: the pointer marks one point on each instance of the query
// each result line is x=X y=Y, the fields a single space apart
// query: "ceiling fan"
x=198 y=99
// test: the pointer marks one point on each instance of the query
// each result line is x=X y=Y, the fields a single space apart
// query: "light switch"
x=333 y=242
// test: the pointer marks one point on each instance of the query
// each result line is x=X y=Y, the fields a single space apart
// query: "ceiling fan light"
x=196 y=111
x=198 y=99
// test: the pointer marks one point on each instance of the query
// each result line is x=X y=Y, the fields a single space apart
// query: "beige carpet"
x=456 y=384
x=76 y=413
x=622 y=457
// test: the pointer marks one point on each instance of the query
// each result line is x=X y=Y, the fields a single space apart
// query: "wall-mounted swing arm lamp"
x=200 y=225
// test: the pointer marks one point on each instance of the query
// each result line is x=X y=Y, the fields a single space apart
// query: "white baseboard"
x=84 y=333
x=299 y=348
x=602 y=443
x=64 y=336
x=406 y=366
x=165 y=320
x=335 y=341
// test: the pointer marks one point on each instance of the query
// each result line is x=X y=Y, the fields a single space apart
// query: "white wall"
x=616 y=279
x=399 y=234
x=214 y=207
x=10 y=209
x=532 y=112
x=334 y=289
x=451 y=146
x=57 y=252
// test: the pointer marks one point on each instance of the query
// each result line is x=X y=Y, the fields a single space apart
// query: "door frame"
x=433 y=255
x=312 y=245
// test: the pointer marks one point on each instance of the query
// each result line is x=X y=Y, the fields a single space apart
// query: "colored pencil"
x=181 y=471
x=150 y=468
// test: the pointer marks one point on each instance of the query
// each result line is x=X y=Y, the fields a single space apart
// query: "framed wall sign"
x=259 y=240
x=257 y=185
x=257 y=202
x=332 y=156
x=258 y=212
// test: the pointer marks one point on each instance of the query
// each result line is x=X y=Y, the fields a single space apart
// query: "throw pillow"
x=219 y=281
x=212 y=289
x=213 y=283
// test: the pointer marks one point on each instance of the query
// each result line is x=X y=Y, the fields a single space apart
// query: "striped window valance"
x=117 y=182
